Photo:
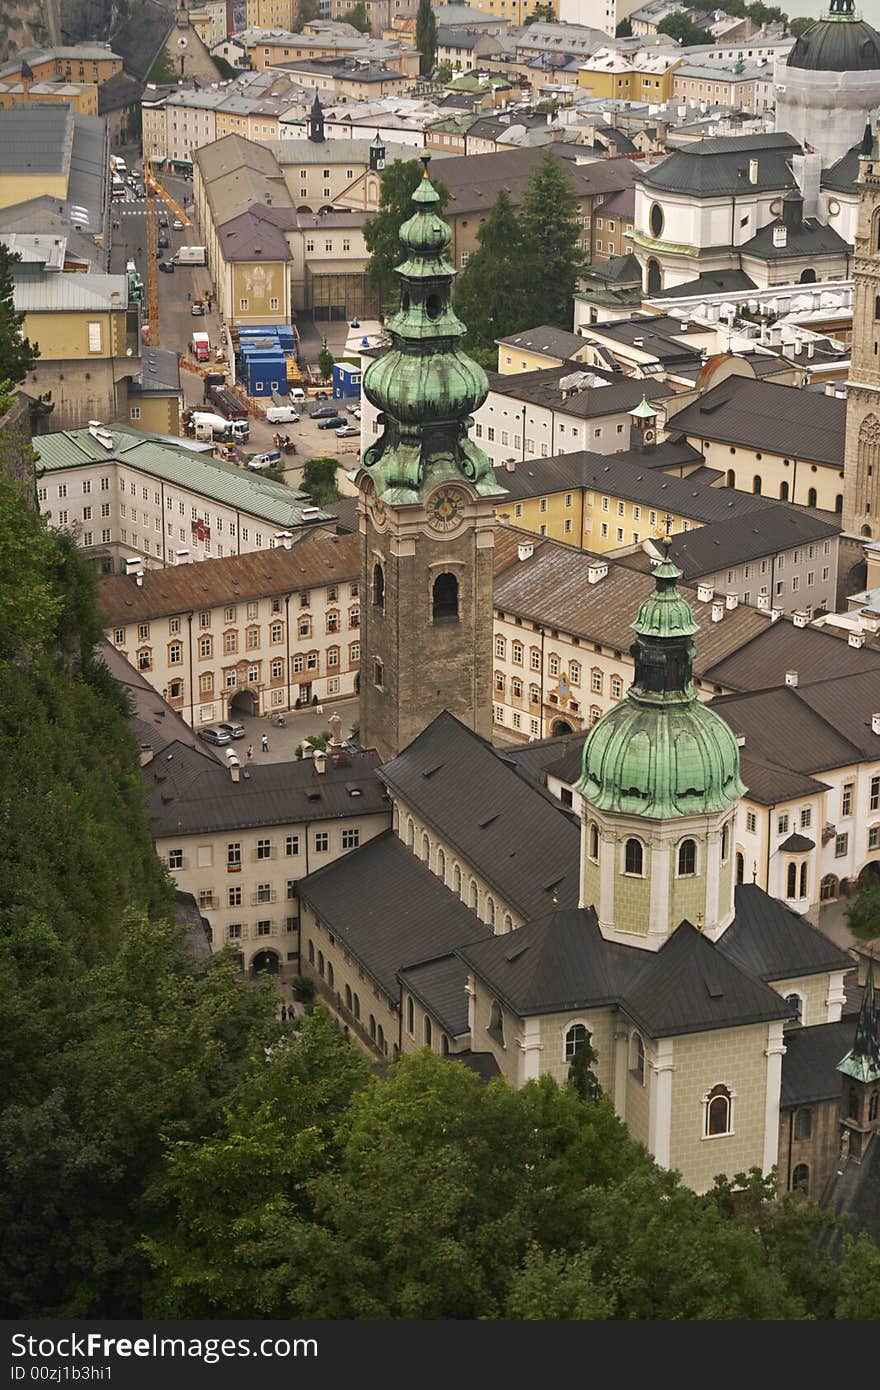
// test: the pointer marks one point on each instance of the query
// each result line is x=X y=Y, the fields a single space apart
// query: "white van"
x=270 y=460
x=296 y=393
x=282 y=415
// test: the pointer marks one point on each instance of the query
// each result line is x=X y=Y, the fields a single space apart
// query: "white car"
x=177 y=225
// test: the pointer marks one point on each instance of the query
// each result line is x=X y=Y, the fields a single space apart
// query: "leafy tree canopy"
x=863 y=913
x=426 y=37
x=17 y=354
x=319 y=480
x=681 y=27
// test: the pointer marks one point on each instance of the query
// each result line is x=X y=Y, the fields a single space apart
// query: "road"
x=177 y=323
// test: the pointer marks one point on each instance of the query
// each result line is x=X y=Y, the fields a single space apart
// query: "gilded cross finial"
x=555 y=898
x=426 y=160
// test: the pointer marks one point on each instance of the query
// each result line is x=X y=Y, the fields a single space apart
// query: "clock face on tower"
x=377 y=512
x=446 y=509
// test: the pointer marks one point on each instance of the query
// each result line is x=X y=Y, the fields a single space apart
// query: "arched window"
x=795 y=1002
x=426 y=849
x=576 y=1037
x=490 y=913
x=311 y=953
x=441 y=865
x=687 y=858
x=811 y=497
x=594 y=840
x=456 y=880
x=378 y=587
x=348 y=997
x=731 y=478
x=783 y=491
x=508 y=922
x=321 y=964
x=331 y=978
x=444 y=1045
x=655 y=277
x=756 y=483
x=829 y=888
x=725 y=842
x=410 y=833
x=429 y=1032
x=372 y=1028
x=740 y=868
x=637 y=1058
x=380 y=1038
x=877 y=307
x=719 y=1112
x=803 y=882
x=853 y=1104
x=800 y=1179
x=475 y=895
x=791 y=881
x=633 y=857
x=410 y=1015
x=445 y=595
x=357 y=1007
x=808 y=276
x=803 y=1123
x=873 y=1105
x=496 y=1023
x=838 y=502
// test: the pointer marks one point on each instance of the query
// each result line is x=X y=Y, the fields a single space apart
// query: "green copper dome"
x=424 y=386
x=660 y=753
x=839 y=42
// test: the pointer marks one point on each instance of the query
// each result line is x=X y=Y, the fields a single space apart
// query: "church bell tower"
x=861 y=486
x=426 y=507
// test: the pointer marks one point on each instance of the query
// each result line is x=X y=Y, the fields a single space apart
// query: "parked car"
x=214 y=735
x=322 y=395
x=197 y=308
x=323 y=412
x=163 y=243
x=346 y=431
x=167 y=266
x=232 y=728
x=355 y=410
x=177 y=225
x=163 y=219
x=332 y=424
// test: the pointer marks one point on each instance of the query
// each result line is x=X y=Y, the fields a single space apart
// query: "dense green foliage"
x=164 y=70
x=17 y=354
x=325 y=363
x=357 y=17
x=800 y=25
x=382 y=232
x=426 y=37
x=863 y=913
x=526 y=269
x=680 y=26
x=319 y=480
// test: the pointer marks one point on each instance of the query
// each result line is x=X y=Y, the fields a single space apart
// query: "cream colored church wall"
x=632 y=899
x=486 y=894
x=813 y=989
x=554 y=1027
x=509 y=1057
x=732 y=1057
x=638 y=1095
x=687 y=896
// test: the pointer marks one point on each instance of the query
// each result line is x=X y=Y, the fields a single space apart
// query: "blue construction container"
x=346 y=381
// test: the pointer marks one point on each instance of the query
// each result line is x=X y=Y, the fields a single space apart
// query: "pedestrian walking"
x=265 y=743
x=283 y=1013
x=250 y=751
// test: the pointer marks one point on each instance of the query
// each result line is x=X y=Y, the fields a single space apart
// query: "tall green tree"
x=17 y=353
x=682 y=28
x=489 y=294
x=426 y=37
x=552 y=258
x=382 y=232
x=863 y=913
x=319 y=480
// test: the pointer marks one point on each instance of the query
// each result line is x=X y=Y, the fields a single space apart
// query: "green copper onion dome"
x=660 y=753
x=424 y=386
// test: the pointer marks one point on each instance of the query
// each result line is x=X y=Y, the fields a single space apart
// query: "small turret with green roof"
x=425 y=387
x=660 y=753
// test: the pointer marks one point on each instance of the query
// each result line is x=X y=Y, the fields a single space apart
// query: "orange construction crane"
x=152 y=185
x=152 y=325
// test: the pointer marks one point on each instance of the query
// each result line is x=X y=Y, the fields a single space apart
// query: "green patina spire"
x=863 y=1062
x=660 y=753
x=424 y=386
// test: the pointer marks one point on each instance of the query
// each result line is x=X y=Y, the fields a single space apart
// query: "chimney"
x=597 y=571
x=234 y=769
x=182 y=557
x=811 y=347
x=525 y=551
x=705 y=593
x=510 y=465
x=791 y=678
x=753 y=171
x=139 y=579
x=763 y=602
x=875 y=723
x=320 y=760
x=132 y=564
x=731 y=601
x=717 y=611
x=780 y=236
x=284 y=539
x=146 y=752
x=856 y=639
x=800 y=618
x=740 y=740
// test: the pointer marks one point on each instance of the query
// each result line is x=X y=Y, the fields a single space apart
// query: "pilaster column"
x=621 y=1050
x=531 y=1048
x=660 y=1112
x=658 y=868
x=608 y=851
x=713 y=881
x=836 y=996
x=774 y=1053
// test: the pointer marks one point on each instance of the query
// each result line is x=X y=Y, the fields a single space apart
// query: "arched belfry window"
x=445 y=598
x=687 y=858
x=378 y=586
x=633 y=857
x=718 y=1105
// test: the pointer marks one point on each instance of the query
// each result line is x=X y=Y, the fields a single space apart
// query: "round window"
x=656 y=219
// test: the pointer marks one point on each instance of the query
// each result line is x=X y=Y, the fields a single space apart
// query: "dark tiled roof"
x=713 y=168
x=188 y=792
x=534 y=760
x=738 y=538
x=619 y=270
x=152 y=722
x=520 y=843
x=798 y=844
x=779 y=647
x=556 y=342
x=614 y=394
x=809 y=1066
x=767 y=416
x=709 y=282
x=842 y=176
x=773 y=943
x=483 y=1063
x=811 y=238
x=440 y=985
x=388 y=910
x=769 y=782
x=474 y=181
x=783 y=724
